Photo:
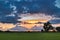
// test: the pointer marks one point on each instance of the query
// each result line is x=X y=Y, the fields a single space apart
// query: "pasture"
x=30 y=36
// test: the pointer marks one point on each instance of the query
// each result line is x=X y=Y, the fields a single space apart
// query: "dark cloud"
x=4 y=8
x=34 y=6
x=42 y=6
x=56 y=21
x=8 y=20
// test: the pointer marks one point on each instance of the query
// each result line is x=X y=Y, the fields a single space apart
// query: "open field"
x=29 y=36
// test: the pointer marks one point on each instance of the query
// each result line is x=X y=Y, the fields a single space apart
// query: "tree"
x=58 y=29
x=47 y=26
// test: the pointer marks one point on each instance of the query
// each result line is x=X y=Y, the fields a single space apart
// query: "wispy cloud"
x=42 y=16
x=57 y=3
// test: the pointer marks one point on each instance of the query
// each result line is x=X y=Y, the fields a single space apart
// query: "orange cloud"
x=5 y=26
x=35 y=20
x=56 y=25
x=31 y=23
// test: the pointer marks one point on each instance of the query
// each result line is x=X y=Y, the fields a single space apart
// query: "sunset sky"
x=28 y=13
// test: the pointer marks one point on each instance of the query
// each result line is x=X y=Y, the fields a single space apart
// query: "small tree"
x=58 y=29
x=47 y=26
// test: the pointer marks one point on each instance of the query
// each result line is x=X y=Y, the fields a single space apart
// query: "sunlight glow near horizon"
x=5 y=26
x=30 y=19
x=32 y=23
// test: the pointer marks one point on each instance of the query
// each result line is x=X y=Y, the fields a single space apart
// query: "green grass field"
x=29 y=36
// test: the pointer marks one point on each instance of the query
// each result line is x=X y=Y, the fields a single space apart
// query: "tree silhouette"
x=58 y=29
x=47 y=26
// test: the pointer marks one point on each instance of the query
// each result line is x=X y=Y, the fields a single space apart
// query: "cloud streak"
x=42 y=16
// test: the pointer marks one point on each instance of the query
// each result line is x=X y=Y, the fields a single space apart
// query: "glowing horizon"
x=32 y=23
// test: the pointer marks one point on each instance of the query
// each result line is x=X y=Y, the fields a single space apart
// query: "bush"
x=58 y=29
